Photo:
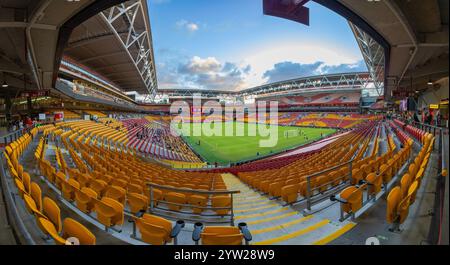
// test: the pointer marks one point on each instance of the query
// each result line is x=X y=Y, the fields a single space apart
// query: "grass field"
x=231 y=149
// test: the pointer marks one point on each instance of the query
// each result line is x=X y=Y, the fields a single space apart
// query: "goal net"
x=291 y=133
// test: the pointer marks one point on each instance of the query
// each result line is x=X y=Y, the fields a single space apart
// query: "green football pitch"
x=243 y=143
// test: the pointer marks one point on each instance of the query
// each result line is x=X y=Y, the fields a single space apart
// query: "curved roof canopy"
x=117 y=44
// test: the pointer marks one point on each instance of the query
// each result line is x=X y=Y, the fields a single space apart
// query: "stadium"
x=97 y=150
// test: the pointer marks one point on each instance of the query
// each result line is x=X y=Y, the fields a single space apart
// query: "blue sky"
x=231 y=45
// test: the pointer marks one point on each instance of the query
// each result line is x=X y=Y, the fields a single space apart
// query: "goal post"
x=291 y=133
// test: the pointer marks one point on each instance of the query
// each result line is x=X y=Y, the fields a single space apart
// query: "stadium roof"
x=29 y=34
x=33 y=63
x=329 y=82
x=117 y=44
x=414 y=35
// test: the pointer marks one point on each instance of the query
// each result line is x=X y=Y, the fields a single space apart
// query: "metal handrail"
x=150 y=184
x=13 y=136
x=191 y=191
x=429 y=128
x=309 y=189
x=435 y=230
x=193 y=206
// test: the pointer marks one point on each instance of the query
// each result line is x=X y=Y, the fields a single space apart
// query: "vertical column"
x=29 y=106
x=8 y=107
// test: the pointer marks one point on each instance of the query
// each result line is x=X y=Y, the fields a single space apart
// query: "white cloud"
x=210 y=73
x=199 y=65
x=265 y=57
x=186 y=25
x=261 y=65
x=192 y=27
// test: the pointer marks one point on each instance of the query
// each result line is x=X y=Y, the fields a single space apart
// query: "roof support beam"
x=88 y=59
x=92 y=39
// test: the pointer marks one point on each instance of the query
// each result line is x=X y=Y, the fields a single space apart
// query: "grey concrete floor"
x=6 y=233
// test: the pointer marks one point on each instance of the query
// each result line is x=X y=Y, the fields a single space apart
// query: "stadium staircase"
x=273 y=223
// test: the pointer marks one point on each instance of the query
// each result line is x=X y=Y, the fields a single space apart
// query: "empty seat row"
x=370 y=179
x=291 y=182
x=402 y=196
x=46 y=211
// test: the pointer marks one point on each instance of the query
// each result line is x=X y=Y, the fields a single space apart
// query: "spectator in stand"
x=13 y=126
x=428 y=118
x=416 y=117
x=410 y=117
x=437 y=118
x=28 y=122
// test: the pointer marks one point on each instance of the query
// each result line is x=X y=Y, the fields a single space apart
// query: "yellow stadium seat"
x=198 y=200
x=303 y=187
x=51 y=210
x=405 y=182
x=420 y=175
x=60 y=178
x=157 y=196
x=137 y=202
x=49 y=228
x=73 y=173
x=109 y=212
x=31 y=206
x=412 y=191
x=20 y=187
x=36 y=194
x=412 y=170
x=154 y=230
x=403 y=209
x=289 y=193
x=354 y=198
x=175 y=197
x=386 y=173
x=99 y=186
x=135 y=188
x=26 y=181
x=393 y=200
x=72 y=228
x=120 y=183
x=68 y=189
x=85 y=199
x=107 y=178
x=323 y=182
x=221 y=235
x=221 y=201
x=275 y=189
x=375 y=182
x=117 y=193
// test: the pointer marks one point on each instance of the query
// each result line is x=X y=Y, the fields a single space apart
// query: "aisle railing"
x=155 y=205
